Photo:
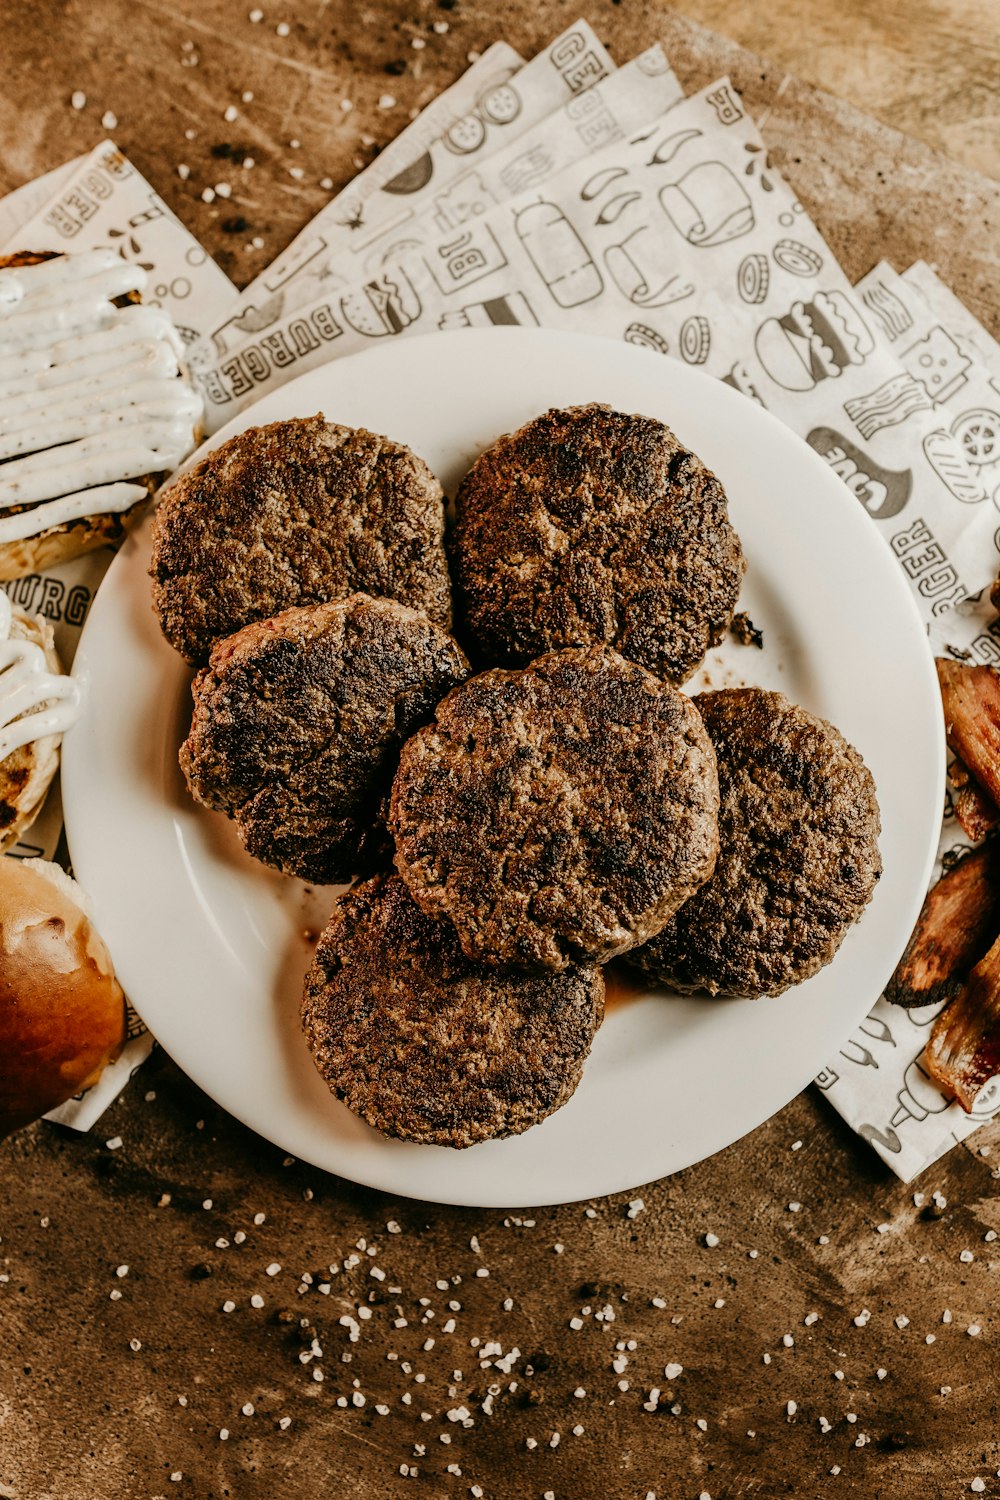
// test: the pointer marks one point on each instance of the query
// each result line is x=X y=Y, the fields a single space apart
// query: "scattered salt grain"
x=635 y=1208
x=257 y=1300
x=78 y=99
x=711 y=1240
x=282 y=28
x=115 y=1143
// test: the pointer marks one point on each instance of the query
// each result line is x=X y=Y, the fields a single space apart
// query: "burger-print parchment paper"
x=102 y=200
x=877 y=1080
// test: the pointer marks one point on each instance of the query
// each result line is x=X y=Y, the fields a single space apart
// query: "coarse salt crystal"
x=272 y=1269
x=256 y=1300
x=862 y=1318
x=208 y=195
x=787 y=1340
x=881 y=1373
x=794 y=1208
x=902 y=1321
x=115 y=1143
x=973 y=1330
x=673 y=1371
x=109 y=119
x=791 y=1408
x=256 y=15
x=711 y=1240
x=282 y=28
x=635 y=1208
x=284 y=1422
x=121 y=1271
x=78 y=99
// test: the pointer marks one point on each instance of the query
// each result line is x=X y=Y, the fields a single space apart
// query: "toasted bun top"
x=62 y=1011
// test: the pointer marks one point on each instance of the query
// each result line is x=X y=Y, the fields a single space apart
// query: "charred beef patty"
x=589 y=525
x=429 y=1047
x=298 y=721
x=798 y=857
x=558 y=813
x=295 y=513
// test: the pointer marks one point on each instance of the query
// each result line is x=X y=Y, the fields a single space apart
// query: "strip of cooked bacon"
x=963 y=1053
x=974 y=808
x=971 y=699
x=958 y=921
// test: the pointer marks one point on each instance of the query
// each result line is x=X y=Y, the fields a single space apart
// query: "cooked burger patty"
x=429 y=1047
x=298 y=721
x=557 y=813
x=590 y=525
x=798 y=858
x=295 y=513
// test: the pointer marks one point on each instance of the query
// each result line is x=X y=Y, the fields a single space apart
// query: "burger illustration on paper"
x=814 y=341
x=385 y=304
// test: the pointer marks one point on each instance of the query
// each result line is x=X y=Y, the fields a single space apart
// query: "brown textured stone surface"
x=83 y=1414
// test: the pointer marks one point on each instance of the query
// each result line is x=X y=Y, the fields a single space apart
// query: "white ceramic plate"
x=209 y=945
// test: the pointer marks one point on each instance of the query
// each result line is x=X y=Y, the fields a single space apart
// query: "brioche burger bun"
x=62 y=1011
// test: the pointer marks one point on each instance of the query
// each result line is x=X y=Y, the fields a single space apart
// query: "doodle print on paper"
x=410 y=180
x=533 y=165
x=513 y=308
x=666 y=149
x=938 y=364
x=500 y=104
x=469 y=257
x=753 y=278
x=592 y=120
x=888 y=405
x=708 y=205
x=883 y=492
x=461 y=201
x=741 y=380
x=945 y=458
x=646 y=337
x=796 y=258
x=638 y=269
x=384 y=305
x=814 y=341
x=601 y=180
x=978 y=432
x=890 y=312
x=725 y=104
x=578 y=65
x=558 y=254
x=696 y=340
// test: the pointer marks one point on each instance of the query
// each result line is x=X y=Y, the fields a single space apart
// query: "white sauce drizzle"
x=34 y=702
x=90 y=394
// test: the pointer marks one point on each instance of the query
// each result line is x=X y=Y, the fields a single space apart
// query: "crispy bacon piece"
x=958 y=921
x=963 y=1053
x=974 y=808
x=971 y=699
